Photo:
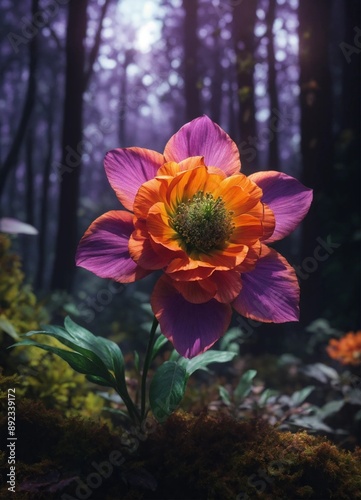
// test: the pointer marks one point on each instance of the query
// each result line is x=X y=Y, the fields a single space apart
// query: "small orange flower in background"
x=347 y=350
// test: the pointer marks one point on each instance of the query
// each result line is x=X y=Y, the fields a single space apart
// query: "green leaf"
x=158 y=344
x=244 y=385
x=266 y=394
x=98 y=357
x=65 y=338
x=76 y=360
x=167 y=389
x=8 y=328
x=224 y=394
x=175 y=356
x=229 y=338
x=330 y=408
x=298 y=397
x=201 y=361
x=98 y=380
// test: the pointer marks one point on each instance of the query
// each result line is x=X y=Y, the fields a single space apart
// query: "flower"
x=193 y=215
x=347 y=349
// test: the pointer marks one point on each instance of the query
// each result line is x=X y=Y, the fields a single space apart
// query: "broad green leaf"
x=330 y=408
x=298 y=397
x=158 y=344
x=244 y=385
x=99 y=381
x=201 y=361
x=175 y=356
x=224 y=394
x=167 y=389
x=88 y=340
x=229 y=337
x=76 y=360
x=112 y=356
x=8 y=328
x=69 y=341
x=266 y=394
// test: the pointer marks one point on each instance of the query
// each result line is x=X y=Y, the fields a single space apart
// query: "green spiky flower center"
x=203 y=223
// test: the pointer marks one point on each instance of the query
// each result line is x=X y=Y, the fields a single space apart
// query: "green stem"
x=132 y=409
x=147 y=361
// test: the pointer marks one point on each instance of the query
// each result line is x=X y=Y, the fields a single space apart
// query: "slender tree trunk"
x=351 y=84
x=217 y=80
x=44 y=203
x=273 y=151
x=316 y=133
x=66 y=240
x=191 y=76
x=12 y=157
x=244 y=20
x=29 y=198
x=77 y=76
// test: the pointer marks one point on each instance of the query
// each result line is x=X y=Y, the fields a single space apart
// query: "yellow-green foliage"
x=18 y=304
x=51 y=379
x=43 y=375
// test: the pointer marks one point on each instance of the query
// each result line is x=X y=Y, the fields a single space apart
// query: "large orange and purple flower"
x=193 y=215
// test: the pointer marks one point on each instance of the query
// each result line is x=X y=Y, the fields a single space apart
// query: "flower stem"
x=147 y=361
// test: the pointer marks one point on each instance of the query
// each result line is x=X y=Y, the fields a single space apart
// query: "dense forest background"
x=81 y=77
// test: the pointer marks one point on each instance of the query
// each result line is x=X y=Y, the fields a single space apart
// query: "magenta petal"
x=270 y=292
x=103 y=249
x=127 y=169
x=192 y=328
x=203 y=137
x=287 y=198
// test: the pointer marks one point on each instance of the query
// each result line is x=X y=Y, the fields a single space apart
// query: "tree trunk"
x=69 y=172
x=191 y=76
x=77 y=76
x=273 y=150
x=13 y=154
x=217 y=80
x=316 y=133
x=351 y=84
x=29 y=198
x=244 y=20
x=44 y=206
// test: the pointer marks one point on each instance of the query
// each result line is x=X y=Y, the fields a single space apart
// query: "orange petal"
x=228 y=284
x=159 y=228
x=171 y=168
x=268 y=222
x=243 y=182
x=148 y=194
x=142 y=251
x=194 y=292
x=248 y=229
x=185 y=269
x=184 y=186
x=224 y=260
x=249 y=262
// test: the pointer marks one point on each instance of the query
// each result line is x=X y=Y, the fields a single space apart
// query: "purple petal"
x=127 y=169
x=203 y=137
x=192 y=328
x=103 y=249
x=270 y=292
x=287 y=198
x=14 y=226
